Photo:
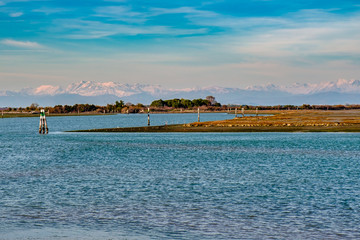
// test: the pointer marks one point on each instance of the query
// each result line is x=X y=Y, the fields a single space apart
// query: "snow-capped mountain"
x=339 y=92
x=43 y=90
x=89 y=88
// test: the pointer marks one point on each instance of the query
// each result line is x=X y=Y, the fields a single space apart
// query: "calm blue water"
x=175 y=185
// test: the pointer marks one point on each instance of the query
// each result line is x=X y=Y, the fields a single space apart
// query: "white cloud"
x=16 y=14
x=49 y=11
x=338 y=38
x=122 y=13
x=94 y=29
x=126 y=14
x=82 y=29
x=21 y=44
x=183 y=10
x=307 y=35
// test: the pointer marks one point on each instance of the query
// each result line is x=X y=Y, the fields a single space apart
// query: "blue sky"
x=178 y=44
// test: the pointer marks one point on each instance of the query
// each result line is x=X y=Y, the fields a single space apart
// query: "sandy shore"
x=280 y=121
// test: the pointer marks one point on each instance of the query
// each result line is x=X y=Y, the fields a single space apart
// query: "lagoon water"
x=175 y=185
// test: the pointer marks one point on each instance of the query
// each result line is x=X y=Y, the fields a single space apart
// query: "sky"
x=178 y=44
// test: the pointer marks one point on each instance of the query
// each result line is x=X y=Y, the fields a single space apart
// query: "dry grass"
x=295 y=118
x=279 y=121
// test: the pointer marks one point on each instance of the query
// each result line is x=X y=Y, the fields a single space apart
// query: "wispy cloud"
x=182 y=10
x=122 y=13
x=127 y=14
x=308 y=34
x=48 y=10
x=16 y=14
x=211 y=34
x=80 y=29
x=339 y=37
x=21 y=44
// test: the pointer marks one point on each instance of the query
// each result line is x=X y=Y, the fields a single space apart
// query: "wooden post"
x=198 y=114
x=148 y=116
x=2 y=114
x=243 y=112
x=45 y=123
x=257 y=111
x=235 y=112
x=40 y=124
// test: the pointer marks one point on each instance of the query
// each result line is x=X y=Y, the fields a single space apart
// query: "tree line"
x=121 y=107
x=185 y=103
x=207 y=104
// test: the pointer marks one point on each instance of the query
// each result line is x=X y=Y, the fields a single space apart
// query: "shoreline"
x=24 y=115
x=37 y=114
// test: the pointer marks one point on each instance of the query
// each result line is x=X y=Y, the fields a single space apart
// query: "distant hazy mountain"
x=340 y=92
x=341 y=86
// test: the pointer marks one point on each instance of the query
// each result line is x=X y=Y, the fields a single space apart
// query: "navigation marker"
x=43 y=128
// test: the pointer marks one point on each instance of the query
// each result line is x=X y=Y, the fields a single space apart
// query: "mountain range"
x=339 y=92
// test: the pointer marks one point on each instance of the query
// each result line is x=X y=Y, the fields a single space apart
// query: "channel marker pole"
x=43 y=128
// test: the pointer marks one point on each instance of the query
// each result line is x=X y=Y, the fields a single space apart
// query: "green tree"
x=68 y=109
x=158 y=103
x=186 y=103
x=200 y=102
x=119 y=105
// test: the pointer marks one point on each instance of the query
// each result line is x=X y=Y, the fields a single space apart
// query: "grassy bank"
x=280 y=121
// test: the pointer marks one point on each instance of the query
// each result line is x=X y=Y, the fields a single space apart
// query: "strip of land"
x=37 y=114
x=280 y=121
